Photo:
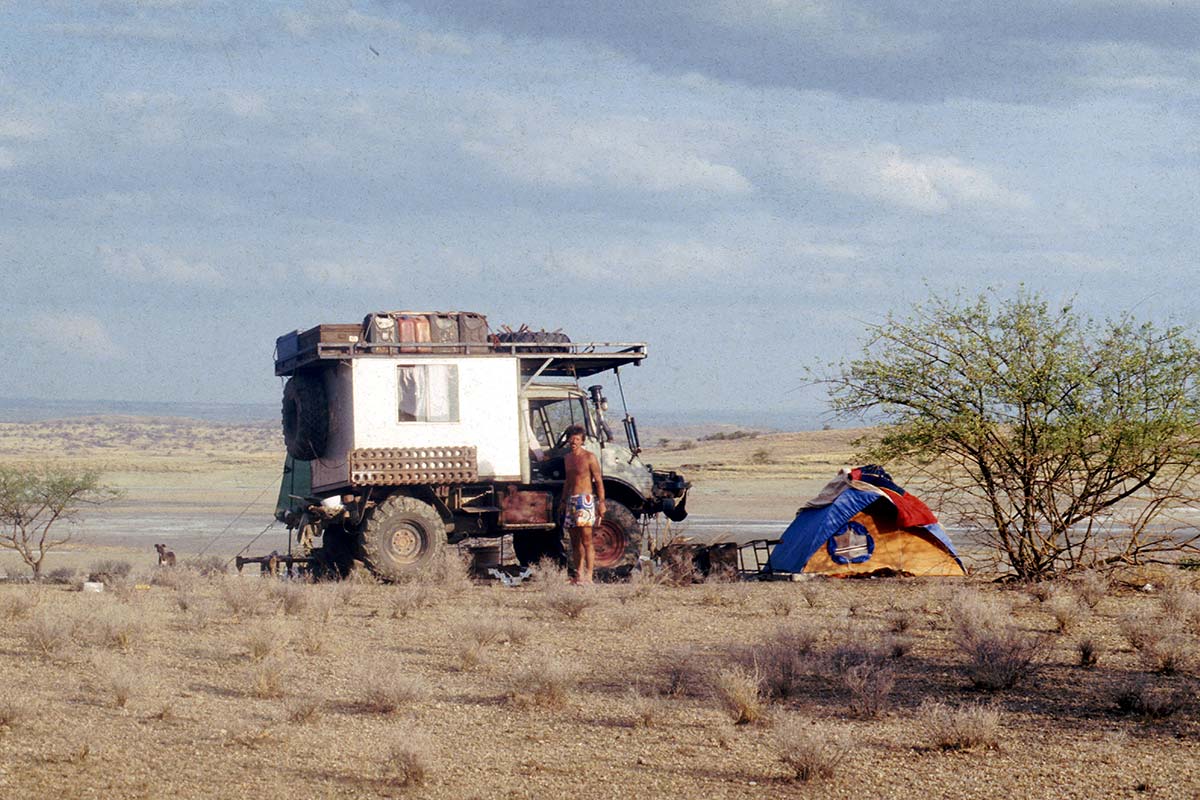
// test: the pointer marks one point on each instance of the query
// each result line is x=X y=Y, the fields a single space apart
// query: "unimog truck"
x=413 y=430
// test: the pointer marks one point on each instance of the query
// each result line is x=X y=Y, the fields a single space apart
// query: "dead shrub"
x=197 y=618
x=115 y=627
x=897 y=646
x=782 y=605
x=262 y=640
x=323 y=601
x=48 y=633
x=900 y=620
x=266 y=678
x=408 y=762
x=870 y=685
x=119 y=680
x=1092 y=587
x=1181 y=604
x=1042 y=592
x=740 y=691
x=470 y=655
x=810 y=751
x=19 y=605
x=1170 y=654
x=293 y=597
x=13 y=712
x=998 y=657
x=725 y=595
x=646 y=710
x=304 y=710
x=1141 y=698
x=389 y=690
x=482 y=632
x=1142 y=628
x=206 y=566
x=545 y=682
x=1067 y=613
x=515 y=632
x=784 y=661
x=165 y=712
x=1089 y=653
x=243 y=596
x=682 y=671
x=450 y=573
x=568 y=601
x=408 y=598
x=312 y=639
x=968 y=727
x=109 y=571
x=813 y=593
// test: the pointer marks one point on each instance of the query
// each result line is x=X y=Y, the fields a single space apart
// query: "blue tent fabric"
x=813 y=527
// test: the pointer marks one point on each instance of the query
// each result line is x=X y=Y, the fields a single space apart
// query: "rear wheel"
x=617 y=540
x=402 y=536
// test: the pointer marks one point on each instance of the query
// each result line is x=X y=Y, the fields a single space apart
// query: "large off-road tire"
x=305 y=416
x=617 y=541
x=401 y=536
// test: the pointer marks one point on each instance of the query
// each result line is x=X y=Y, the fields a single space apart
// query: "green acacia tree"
x=36 y=499
x=1066 y=442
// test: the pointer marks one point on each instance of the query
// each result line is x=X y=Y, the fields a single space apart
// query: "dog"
x=166 y=558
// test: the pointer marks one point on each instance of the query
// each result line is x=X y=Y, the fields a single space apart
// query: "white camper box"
x=371 y=401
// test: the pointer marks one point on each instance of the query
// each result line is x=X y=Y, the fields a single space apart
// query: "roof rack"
x=565 y=359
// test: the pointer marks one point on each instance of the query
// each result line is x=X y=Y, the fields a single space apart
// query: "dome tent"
x=862 y=523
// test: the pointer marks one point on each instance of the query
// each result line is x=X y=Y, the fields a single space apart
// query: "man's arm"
x=598 y=481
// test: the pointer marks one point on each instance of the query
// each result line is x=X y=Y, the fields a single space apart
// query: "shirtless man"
x=581 y=508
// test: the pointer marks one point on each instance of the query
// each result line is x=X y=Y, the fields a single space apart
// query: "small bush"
x=1170 y=654
x=812 y=593
x=1089 y=653
x=323 y=601
x=1042 y=592
x=206 y=566
x=761 y=456
x=782 y=605
x=470 y=655
x=266 y=678
x=243 y=596
x=1142 y=629
x=681 y=671
x=408 y=762
x=196 y=618
x=1181 y=604
x=389 y=690
x=1139 y=697
x=897 y=646
x=968 y=727
x=900 y=620
x=109 y=571
x=62 y=576
x=115 y=627
x=304 y=710
x=810 y=751
x=870 y=685
x=293 y=597
x=19 y=604
x=740 y=691
x=482 y=632
x=568 y=601
x=312 y=639
x=546 y=682
x=784 y=660
x=515 y=632
x=998 y=657
x=48 y=633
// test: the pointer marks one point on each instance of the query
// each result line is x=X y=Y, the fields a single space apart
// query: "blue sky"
x=743 y=185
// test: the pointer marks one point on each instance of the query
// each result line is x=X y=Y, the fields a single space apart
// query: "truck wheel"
x=305 y=416
x=617 y=539
x=402 y=535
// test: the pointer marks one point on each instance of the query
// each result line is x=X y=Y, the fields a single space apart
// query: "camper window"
x=428 y=393
x=852 y=546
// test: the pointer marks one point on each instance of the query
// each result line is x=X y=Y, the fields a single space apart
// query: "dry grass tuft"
x=13 y=712
x=267 y=678
x=1042 y=592
x=1067 y=613
x=470 y=655
x=647 y=710
x=304 y=710
x=999 y=654
x=1181 y=604
x=48 y=633
x=409 y=762
x=409 y=598
x=1170 y=654
x=968 y=727
x=809 y=751
x=682 y=672
x=782 y=605
x=312 y=639
x=243 y=596
x=740 y=691
x=262 y=639
x=1089 y=653
x=1092 y=587
x=197 y=618
x=293 y=597
x=389 y=690
x=813 y=593
x=901 y=620
x=870 y=684
x=115 y=627
x=784 y=660
x=119 y=680
x=545 y=682
x=323 y=601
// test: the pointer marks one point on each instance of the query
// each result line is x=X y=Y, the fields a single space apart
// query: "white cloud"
x=927 y=183
x=140 y=30
x=7 y=159
x=152 y=264
x=306 y=25
x=348 y=274
x=77 y=334
x=649 y=263
x=623 y=153
x=18 y=128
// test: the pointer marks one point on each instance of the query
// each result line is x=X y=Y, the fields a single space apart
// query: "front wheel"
x=402 y=536
x=617 y=540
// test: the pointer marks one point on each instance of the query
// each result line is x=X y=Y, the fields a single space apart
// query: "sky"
x=745 y=186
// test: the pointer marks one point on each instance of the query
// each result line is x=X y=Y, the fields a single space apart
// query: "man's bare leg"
x=577 y=555
x=589 y=554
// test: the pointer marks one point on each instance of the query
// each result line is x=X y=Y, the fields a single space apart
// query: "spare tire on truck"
x=305 y=416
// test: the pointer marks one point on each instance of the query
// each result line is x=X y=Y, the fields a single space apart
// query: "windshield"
x=549 y=418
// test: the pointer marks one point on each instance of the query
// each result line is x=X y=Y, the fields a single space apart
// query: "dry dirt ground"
x=242 y=687
x=251 y=687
